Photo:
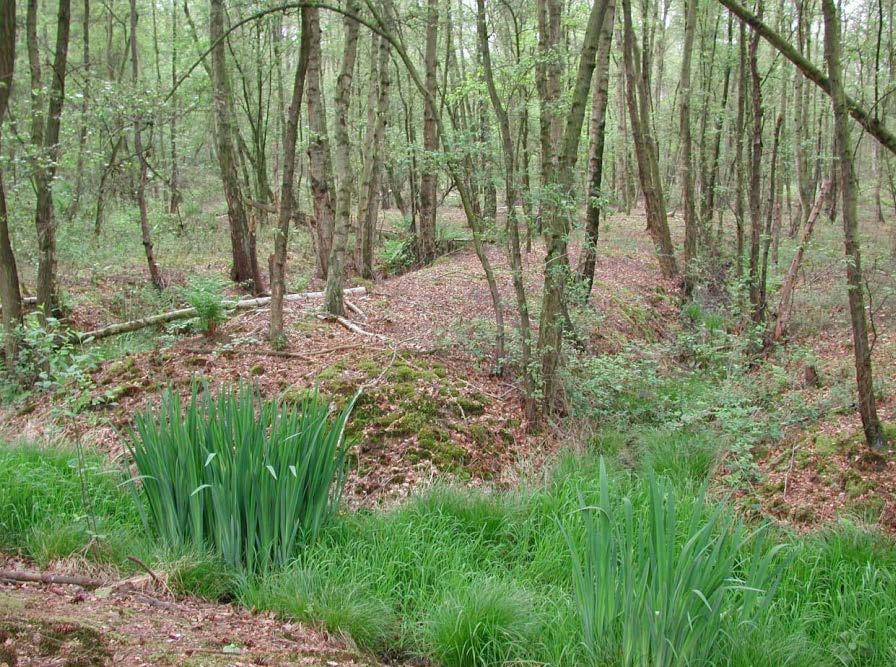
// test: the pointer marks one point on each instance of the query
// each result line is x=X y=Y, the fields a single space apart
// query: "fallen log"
x=185 y=313
x=49 y=578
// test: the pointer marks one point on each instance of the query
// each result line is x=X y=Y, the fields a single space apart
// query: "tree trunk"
x=687 y=166
x=645 y=149
x=155 y=273
x=368 y=208
x=786 y=296
x=595 y=202
x=426 y=222
x=278 y=265
x=10 y=295
x=874 y=435
x=242 y=238
x=45 y=137
x=333 y=301
x=557 y=227
x=755 y=194
x=75 y=205
x=513 y=234
x=320 y=165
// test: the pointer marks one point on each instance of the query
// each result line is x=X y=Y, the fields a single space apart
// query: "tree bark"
x=320 y=163
x=645 y=148
x=426 y=222
x=333 y=302
x=687 y=165
x=10 y=294
x=278 y=265
x=593 y=206
x=874 y=435
x=510 y=192
x=242 y=238
x=155 y=273
x=45 y=137
x=787 y=288
x=368 y=207
x=755 y=192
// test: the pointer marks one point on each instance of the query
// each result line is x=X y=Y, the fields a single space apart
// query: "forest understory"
x=448 y=333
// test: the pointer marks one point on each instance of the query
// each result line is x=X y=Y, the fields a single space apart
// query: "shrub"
x=661 y=587
x=253 y=480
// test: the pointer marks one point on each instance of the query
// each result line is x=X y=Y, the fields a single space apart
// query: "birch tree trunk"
x=687 y=165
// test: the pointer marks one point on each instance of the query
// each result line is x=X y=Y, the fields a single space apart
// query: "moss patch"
x=62 y=643
x=414 y=402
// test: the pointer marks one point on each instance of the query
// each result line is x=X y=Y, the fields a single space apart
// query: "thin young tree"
x=333 y=298
x=285 y=214
x=874 y=435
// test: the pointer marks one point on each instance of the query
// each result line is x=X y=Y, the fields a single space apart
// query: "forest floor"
x=431 y=408
x=59 y=624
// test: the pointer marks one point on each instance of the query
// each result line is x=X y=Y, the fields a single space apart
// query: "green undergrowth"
x=466 y=577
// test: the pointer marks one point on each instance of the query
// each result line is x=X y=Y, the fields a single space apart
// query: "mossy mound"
x=414 y=406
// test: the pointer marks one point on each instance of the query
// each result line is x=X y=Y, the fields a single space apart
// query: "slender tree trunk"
x=368 y=209
x=333 y=300
x=10 y=295
x=786 y=297
x=175 y=195
x=709 y=189
x=755 y=195
x=739 y=131
x=874 y=435
x=557 y=226
x=593 y=206
x=320 y=165
x=645 y=150
x=426 y=221
x=75 y=205
x=687 y=166
x=49 y=147
x=278 y=265
x=155 y=273
x=242 y=238
x=510 y=191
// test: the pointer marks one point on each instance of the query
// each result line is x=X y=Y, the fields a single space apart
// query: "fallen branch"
x=185 y=313
x=352 y=307
x=264 y=353
x=50 y=578
x=351 y=326
x=26 y=301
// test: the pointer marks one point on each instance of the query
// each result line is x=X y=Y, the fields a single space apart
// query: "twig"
x=352 y=307
x=145 y=567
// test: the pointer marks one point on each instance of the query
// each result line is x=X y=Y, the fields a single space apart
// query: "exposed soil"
x=74 y=627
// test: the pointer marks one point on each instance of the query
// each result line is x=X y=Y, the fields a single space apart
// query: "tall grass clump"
x=664 y=586
x=249 y=479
